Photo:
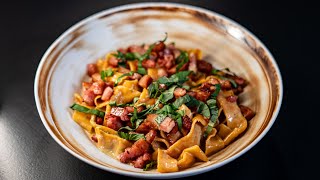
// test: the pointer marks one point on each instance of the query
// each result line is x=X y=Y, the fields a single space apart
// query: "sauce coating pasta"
x=160 y=107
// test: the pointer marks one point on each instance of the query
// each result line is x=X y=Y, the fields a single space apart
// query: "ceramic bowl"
x=224 y=42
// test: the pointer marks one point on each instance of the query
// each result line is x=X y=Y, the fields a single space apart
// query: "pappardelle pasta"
x=160 y=107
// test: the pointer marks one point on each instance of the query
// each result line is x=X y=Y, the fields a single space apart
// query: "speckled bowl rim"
x=163 y=175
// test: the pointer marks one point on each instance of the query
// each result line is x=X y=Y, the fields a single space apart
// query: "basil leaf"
x=182 y=59
x=234 y=84
x=123 y=75
x=135 y=126
x=131 y=137
x=160 y=118
x=214 y=110
x=106 y=73
x=203 y=109
x=178 y=78
x=167 y=95
x=153 y=90
x=179 y=122
x=216 y=91
x=181 y=100
x=150 y=165
x=86 y=110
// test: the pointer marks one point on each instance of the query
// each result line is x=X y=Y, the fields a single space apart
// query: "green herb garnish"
x=131 y=136
x=214 y=110
x=150 y=165
x=86 y=110
x=123 y=75
x=106 y=73
x=182 y=59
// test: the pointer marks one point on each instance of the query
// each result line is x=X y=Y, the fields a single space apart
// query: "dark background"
x=27 y=29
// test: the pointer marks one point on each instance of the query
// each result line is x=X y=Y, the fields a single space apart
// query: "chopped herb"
x=182 y=59
x=167 y=95
x=178 y=78
x=153 y=90
x=86 y=110
x=202 y=108
x=186 y=87
x=131 y=136
x=181 y=100
x=214 y=110
x=113 y=103
x=106 y=73
x=123 y=75
x=160 y=118
x=150 y=165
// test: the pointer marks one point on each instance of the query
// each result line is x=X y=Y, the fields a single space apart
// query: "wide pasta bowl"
x=222 y=41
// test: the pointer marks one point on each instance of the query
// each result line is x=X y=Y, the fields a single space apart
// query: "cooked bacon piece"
x=213 y=81
x=130 y=109
x=135 y=76
x=141 y=161
x=179 y=92
x=167 y=61
x=122 y=50
x=237 y=90
x=202 y=95
x=145 y=81
x=232 y=98
x=137 y=149
x=240 y=81
x=148 y=63
x=91 y=69
x=120 y=112
x=99 y=120
x=247 y=112
x=151 y=135
x=193 y=64
x=88 y=97
x=112 y=122
x=137 y=49
x=107 y=93
x=148 y=124
x=159 y=46
x=225 y=85
x=204 y=66
x=186 y=123
x=192 y=93
x=113 y=61
x=144 y=127
x=153 y=56
x=167 y=125
x=98 y=87
x=96 y=77
x=206 y=86
x=86 y=86
x=162 y=72
x=174 y=134
x=94 y=138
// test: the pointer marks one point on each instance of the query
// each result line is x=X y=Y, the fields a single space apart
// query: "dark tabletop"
x=27 y=29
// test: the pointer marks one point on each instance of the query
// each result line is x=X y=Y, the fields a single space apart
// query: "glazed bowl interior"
x=223 y=42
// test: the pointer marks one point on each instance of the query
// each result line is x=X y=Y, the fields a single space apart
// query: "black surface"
x=27 y=151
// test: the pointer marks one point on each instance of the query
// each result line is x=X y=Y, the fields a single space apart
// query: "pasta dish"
x=160 y=107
